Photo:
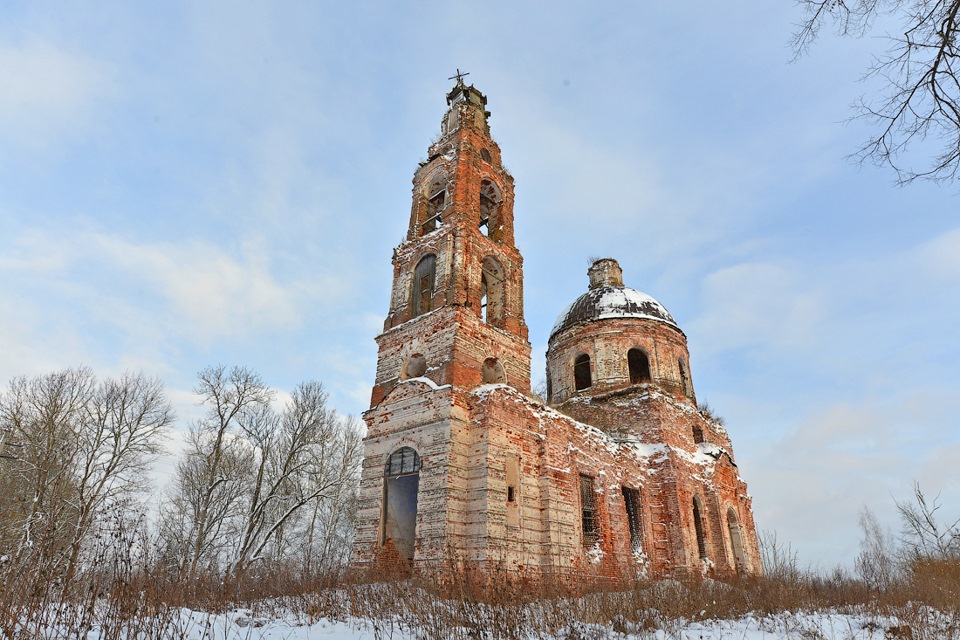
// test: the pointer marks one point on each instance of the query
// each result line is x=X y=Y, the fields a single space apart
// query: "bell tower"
x=456 y=308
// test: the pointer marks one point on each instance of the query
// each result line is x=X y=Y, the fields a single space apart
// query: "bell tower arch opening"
x=434 y=202
x=424 y=282
x=490 y=201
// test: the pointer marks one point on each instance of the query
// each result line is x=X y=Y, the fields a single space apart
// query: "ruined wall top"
x=463 y=93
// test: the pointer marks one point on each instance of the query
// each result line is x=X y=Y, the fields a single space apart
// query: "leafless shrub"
x=876 y=564
x=709 y=414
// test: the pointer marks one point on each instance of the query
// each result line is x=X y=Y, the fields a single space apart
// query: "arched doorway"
x=400 y=488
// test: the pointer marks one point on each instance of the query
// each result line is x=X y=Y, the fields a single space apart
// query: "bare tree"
x=243 y=490
x=876 y=563
x=41 y=417
x=81 y=446
x=125 y=421
x=210 y=478
x=300 y=458
x=924 y=534
x=921 y=95
x=330 y=532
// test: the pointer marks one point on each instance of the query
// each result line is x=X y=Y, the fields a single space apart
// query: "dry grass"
x=147 y=603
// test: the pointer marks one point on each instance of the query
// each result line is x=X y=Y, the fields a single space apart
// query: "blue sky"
x=223 y=182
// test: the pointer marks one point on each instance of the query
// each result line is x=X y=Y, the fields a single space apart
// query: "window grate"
x=403 y=461
x=589 y=520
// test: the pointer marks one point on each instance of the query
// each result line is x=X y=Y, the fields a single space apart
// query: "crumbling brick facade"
x=620 y=475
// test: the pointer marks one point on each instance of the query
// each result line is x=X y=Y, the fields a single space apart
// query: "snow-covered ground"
x=241 y=624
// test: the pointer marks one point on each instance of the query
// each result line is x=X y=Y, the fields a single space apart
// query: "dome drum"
x=612 y=337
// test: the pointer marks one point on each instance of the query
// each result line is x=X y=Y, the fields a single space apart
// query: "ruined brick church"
x=618 y=475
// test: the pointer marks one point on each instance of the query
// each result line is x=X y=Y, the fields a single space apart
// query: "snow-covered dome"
x=608 y=298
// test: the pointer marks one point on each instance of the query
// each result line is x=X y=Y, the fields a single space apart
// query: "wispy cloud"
x=204 y=291
x=758 y=305
x=49 y=94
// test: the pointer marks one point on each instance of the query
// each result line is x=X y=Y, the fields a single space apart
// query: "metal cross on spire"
x=458 y=77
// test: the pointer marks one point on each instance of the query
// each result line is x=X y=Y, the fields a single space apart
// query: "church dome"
x=608 y=298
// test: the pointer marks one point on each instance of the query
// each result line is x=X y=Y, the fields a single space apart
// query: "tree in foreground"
x=255 y=483
x=76 y=447
x=920 y=98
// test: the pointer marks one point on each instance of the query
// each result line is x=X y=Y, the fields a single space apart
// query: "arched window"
x=581 y=372
x=493 y=371
x=436 y=202
x=736 y=540
x=697 y=435
x=492 y=292
x=639 y=366
x=485 y=154
x=399 y=516
x=490 y=200
x=698 y=525
x=423 y=282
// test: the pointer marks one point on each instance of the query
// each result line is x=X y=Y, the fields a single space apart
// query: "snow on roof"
x=606 y=302
x=706 y=455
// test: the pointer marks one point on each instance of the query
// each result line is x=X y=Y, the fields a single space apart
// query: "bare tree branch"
x=921 y=98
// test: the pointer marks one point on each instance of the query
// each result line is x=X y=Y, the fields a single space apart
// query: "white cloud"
x=217 y=294
x=48 y=93
x=940 y=257
x=757 y=304
x=208 y=292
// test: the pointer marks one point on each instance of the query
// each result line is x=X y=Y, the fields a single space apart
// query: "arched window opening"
x=684 y=377
x=492 y=292
x=639 y=366
x=581 y=372
x=736 y=541
x=401 y=486
x=490 y=200
x=485 y=154
x=424 y=277
x=436 y=196
x=698 y=525
x=414 y=367
x=697 y=435
x=493 y=371
x=631 y=502
x=549 y=397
